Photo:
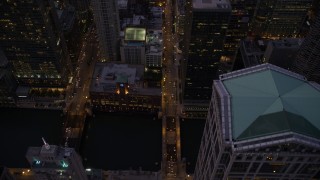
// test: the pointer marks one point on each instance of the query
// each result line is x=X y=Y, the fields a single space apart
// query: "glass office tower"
x=262 y=123
x=209 y=24
x=106 y=17
x=307 y=61
x=32 y=40
x=278 y=18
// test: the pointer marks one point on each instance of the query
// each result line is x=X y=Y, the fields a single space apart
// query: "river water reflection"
x=111 y=141
x=117 y=141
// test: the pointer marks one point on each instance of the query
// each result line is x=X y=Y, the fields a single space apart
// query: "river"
x=111 y=141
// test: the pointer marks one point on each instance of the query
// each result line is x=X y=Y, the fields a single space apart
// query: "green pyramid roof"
x=274 y=99
x=282 y=121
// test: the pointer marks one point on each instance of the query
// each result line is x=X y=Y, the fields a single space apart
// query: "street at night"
x=159 y=89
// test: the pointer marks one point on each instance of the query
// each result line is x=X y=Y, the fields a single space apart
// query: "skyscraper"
x=106 y=18
x=54 y=162
x=32 y=40
x=262 y=124
x=8 y=83
x=282 y=52
x=133 y=46
x=279 y=18
x=82 y=7
x=209 y=23
x=238 y=27
x=307 y=61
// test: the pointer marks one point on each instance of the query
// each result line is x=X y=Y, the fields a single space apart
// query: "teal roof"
x=269 y=102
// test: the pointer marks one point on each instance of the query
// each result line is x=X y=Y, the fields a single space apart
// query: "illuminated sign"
x=65 y=165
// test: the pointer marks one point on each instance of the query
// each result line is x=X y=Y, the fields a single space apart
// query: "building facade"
x=262 y=123
x=277 y=18
x=282 y=52
x=106 y=18
x=133 y=48
x=153 y=57
x=8 y=83
x=32 y=40
x=153 y=48
x=307 y=61
x=54 y=162
x=250 y=53
x=82 y=7
x=238 y=28
x=122 y=88
x=209 y=24
x=133 y=54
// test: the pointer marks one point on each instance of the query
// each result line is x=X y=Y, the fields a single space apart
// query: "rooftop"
x=252 y=52
x=287 y=43
x=53 y=150
x=267 y=100
x=154 y=42
x=135 y=20
x=122 y=4
x=135 y=34
x=211 y=4
x=107 y=75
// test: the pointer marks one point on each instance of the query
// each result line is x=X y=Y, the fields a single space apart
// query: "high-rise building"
x=8 y=86
x=8 y=83
x=154 y=49
x=133 y=54
x=180 y=12
x=71 y=27
x=54 y=162
x=279 y=52
x=83 y=12
x=238 y=27
x=250 y=53
x=153 y=58
x=307 y=61
x=82 y=7
x=277 y=18
x=282 y=52
x=32 y=40
x=132 y=49
x=262 y=123
x=124 y=88
x=106 y=18
x=209 y=23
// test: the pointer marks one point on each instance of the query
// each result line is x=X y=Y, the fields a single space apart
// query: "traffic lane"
x=171 y=123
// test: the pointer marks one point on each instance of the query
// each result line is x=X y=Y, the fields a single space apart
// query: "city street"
x=78 y=90
x=171 y=157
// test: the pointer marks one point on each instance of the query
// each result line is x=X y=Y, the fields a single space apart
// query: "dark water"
x=122 y=142
x=114 y=141
x=21 y=128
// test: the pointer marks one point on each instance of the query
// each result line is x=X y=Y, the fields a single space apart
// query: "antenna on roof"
x=46 y=145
